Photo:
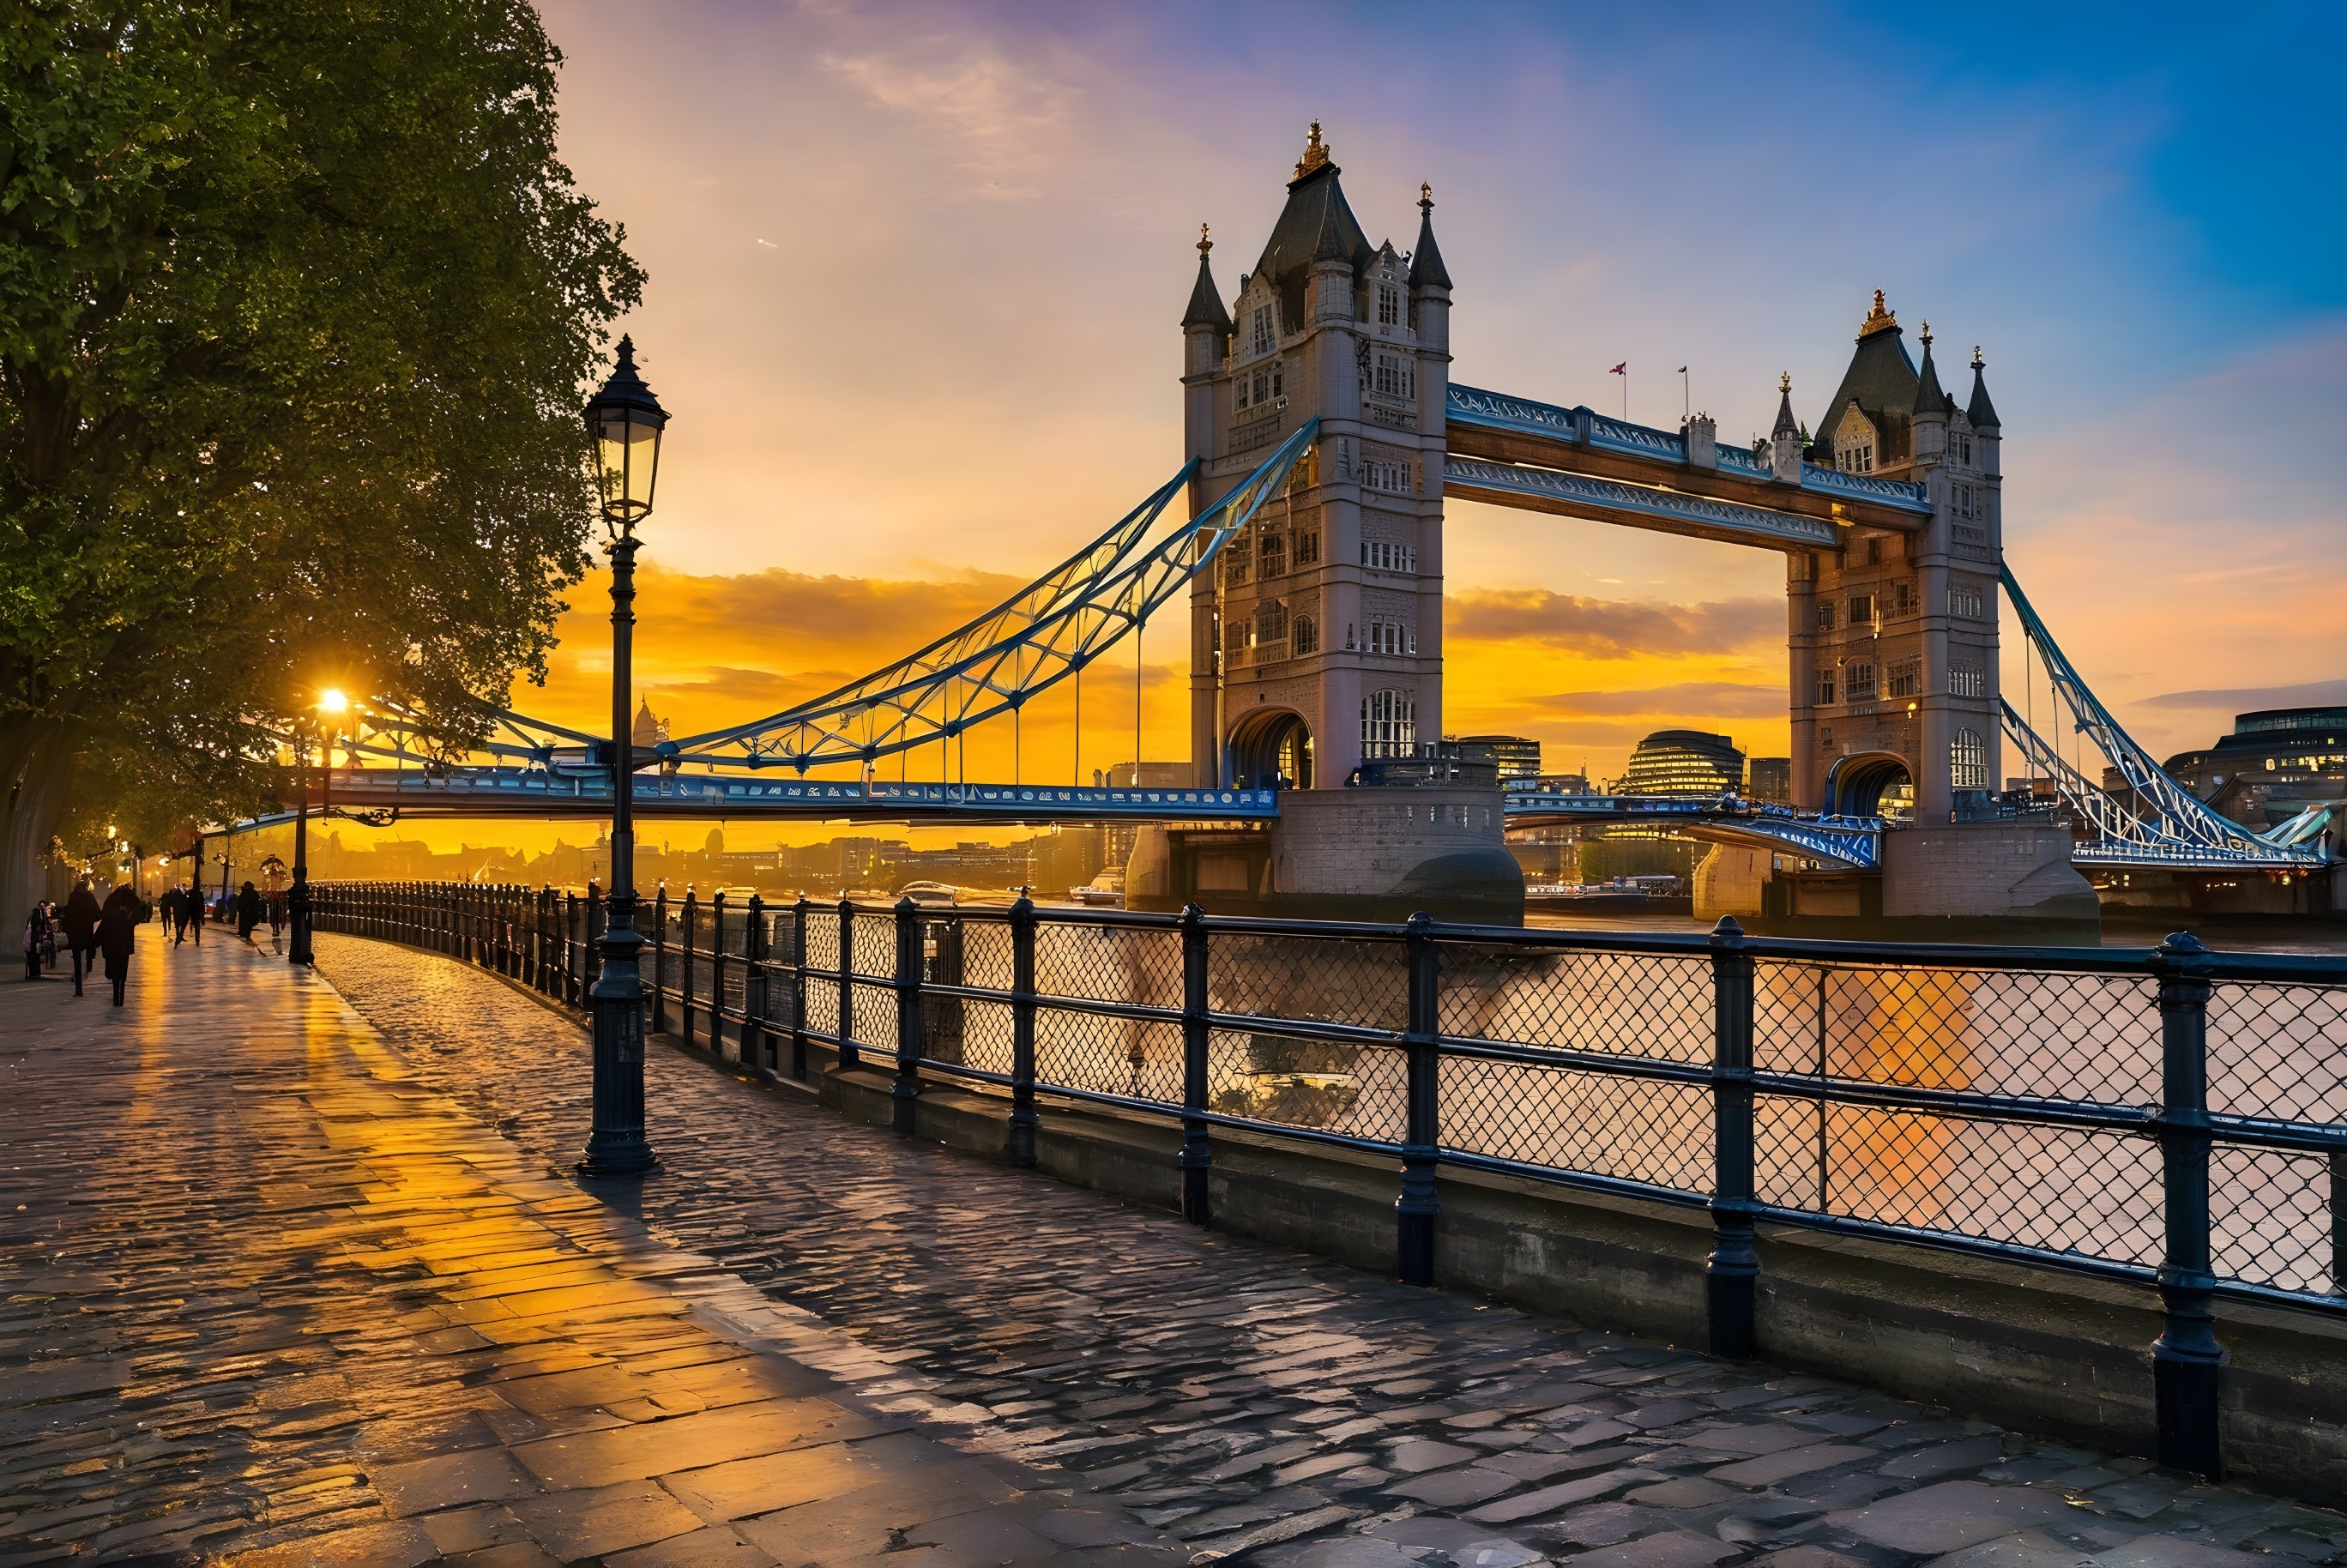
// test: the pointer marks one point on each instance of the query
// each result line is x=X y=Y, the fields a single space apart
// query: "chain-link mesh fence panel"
x=1360 y=1091
x=1326 y=979
x=876 y=944
x=2279 y=1052
x=2064 y=1189
x=1998 y=1031
x=876 y=1018
x=1602 y=1122
x=1141 y=966
x=986 y=1036
x=2275 y=1220
x=823 y=1004
x=1108 y=1055
x=987 y=961
x=823 y=940
x=1627 y=1004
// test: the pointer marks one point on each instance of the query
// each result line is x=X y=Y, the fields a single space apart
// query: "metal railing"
x=2170 y=1116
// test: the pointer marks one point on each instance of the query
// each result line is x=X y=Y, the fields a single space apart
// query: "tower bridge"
x=1323 y=434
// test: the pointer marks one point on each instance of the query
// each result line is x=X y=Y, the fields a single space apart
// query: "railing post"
x=1734 y=1268
x=717 y=975
x=755 y=1034
x=2186 y=1361
x=799 y=913
x=660 y=959
x=905 y=1093
x=1416 y=1209
x=1197 y=1156
x=2339 y=1222
x=850 y=1058
x=684 y=954
x=592 y=959
x=1020 y=1142
x=571 y=960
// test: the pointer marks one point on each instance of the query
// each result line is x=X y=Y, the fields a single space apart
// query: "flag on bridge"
x=1621 y=369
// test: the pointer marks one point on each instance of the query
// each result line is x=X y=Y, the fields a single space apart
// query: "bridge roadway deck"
x=291 y=1286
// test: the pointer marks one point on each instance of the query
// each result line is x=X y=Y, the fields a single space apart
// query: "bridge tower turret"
x=1320 y=634
x=1893 y=636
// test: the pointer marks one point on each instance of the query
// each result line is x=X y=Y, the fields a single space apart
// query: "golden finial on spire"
x=1878 y=320
x=1314 y=152
x=1926 y=334
x=1425 y=196
x=1205 y=241
x=1977 y=361
x=1785 y=382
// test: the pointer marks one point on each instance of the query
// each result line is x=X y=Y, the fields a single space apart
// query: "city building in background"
x=1770 y=778
x=1683 y=762
x=2277 y=762
x=1517 y=757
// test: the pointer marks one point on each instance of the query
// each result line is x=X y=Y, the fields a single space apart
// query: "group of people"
x=91 y=931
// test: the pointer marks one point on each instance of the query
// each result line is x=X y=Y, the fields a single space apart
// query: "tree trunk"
x=40 y=764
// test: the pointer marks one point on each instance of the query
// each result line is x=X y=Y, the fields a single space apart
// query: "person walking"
x=36 y=937
x=168 y=905
x=251 y=910
x=117 y=933
x=81 y=929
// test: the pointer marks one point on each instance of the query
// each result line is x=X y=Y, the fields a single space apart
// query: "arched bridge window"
x=1968 y=761
x=1389 y=724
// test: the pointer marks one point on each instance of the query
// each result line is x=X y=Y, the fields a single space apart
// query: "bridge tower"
x=1320 y=636
x=1893 y=638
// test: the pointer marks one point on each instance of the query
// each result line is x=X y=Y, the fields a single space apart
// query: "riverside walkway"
x=295 y=1272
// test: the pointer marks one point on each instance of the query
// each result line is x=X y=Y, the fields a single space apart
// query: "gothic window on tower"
x=1861 y=609
x=1235 y=563
x=1271 y=555
x=1389 y=724
x=1906 y=679
x=1391 y=637
x=1964 y=598
x=1380 y=556
x=1391 y=477
x=1861 y=679
x=1308 y=548
x=1825 y=615
x=1271 y=621
x=1825 y=688
x=1388 y=305
x=1395 y=375
x=1263 y=329
x=1262 y=386
x=1968 y=761
x=1966 y=681
x=1304 y=635
x=1902 y=597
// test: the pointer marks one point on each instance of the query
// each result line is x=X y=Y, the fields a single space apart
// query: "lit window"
x=1389 y=724
x=1968 y=761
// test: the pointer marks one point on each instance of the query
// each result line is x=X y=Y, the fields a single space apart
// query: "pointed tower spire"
x=1785 y=424
x=1931 y=403
x=1207 y=310
x=1785 y=439
x=1980 y=410
x=1426 y=268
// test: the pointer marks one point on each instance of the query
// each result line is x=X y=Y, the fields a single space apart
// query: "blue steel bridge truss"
x=1053 y=629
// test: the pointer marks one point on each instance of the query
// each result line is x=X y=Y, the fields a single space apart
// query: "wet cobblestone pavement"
x=284 y=1289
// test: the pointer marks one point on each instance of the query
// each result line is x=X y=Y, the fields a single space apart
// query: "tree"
x=297 y=305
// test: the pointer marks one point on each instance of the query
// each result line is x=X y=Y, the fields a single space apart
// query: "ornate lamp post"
x=624 y=420
x=329 y=709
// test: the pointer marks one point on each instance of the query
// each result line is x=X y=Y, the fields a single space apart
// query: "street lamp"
x=329 y=709
x=624 y=421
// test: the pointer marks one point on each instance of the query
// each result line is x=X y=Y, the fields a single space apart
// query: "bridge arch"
x=1271 y=748
x=1858 y=783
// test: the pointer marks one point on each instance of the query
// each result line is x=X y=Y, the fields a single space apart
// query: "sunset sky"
x=915 y=272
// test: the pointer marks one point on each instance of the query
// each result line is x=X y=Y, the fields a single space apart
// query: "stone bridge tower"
x=1320 y=636
x=1893 y=638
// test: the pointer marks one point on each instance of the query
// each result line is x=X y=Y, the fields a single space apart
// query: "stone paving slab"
x=269 y=1296
x=1268 y=1408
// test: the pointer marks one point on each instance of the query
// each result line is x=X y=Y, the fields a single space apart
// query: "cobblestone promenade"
x=293 y=1278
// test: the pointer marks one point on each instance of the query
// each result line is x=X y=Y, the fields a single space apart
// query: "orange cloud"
x=1613 y=629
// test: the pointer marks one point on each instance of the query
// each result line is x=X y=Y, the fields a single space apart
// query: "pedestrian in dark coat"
x=167 y=906
x=117 y=932
x=81 y=930
x=251 y=909
x=36 y=937
x=191 y=909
